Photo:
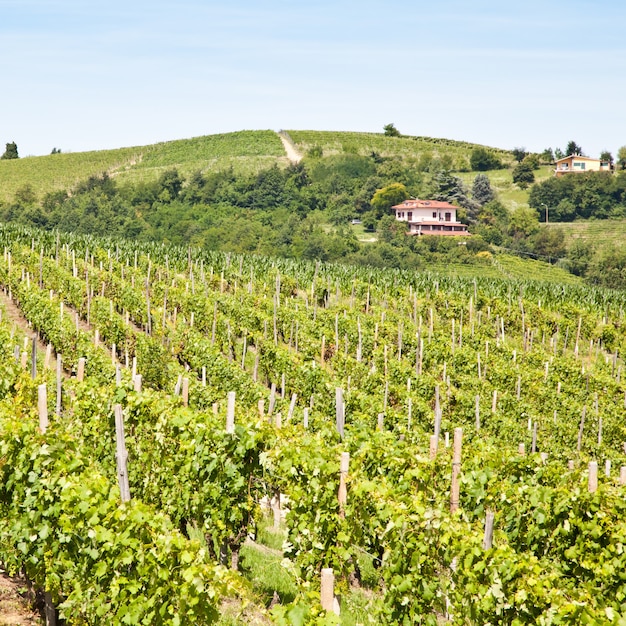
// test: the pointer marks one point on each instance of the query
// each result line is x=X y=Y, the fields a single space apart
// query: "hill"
x=245 y=151
x=420 y=151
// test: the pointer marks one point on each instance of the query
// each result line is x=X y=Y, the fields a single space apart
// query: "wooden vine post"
x=327 y=591
x=59 y=384
x=456 y=469
x=42 y=407
x=592 y=482
x=33 y=359
x=185 y=391
x=340 y=411
x=121 y=454
x=342 y=496
x=230 y=413
x=488 y=536
x=80 y=370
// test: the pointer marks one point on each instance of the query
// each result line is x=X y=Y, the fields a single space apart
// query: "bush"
x=482 y=160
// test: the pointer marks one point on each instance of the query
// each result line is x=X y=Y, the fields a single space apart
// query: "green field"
x=244 y=151
x=502 y=182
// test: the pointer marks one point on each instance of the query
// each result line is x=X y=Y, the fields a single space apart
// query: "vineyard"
x=244 y=151
x=429 y=448
x=418 y=150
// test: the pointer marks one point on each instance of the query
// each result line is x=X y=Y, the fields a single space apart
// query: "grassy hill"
x=419 y=150
x=245 y=151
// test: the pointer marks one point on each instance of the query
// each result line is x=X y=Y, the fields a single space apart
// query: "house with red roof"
x=430 y=217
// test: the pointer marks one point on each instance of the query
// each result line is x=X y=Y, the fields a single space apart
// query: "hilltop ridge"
x=246 y=151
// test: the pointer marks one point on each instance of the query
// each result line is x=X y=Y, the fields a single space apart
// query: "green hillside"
x=600 y=233
x=244 y=151
x=419 y=150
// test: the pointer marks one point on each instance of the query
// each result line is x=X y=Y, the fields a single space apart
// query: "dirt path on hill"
x=15 y=605
x=290 y=148
x=14 y=316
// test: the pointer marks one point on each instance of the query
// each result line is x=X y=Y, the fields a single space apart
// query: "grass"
x=244 y=151
x=415 y=150
x=263 y=564
x=364 y=236
x=502 y=183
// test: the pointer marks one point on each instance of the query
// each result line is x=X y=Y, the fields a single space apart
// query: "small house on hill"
x=576 y=164
x=430 y=217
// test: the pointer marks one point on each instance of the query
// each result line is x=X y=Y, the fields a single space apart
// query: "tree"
x=558 y=154
x=451 y=189
x=391 y=131
x=383 y=199
x=481 y=190
x=170 y=183
x=11 y=151
x=519 y=154
x=606 y=157
x=523 y=174
x=547 y=156
x=482 y=160
x=549 y=243
x=523 y=222
x=56 y=151
x=573 y=148
x=621 y=158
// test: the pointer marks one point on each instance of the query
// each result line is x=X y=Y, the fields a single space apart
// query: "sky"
x=84 y=75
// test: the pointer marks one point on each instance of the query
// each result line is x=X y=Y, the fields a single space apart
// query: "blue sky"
x=80 y=75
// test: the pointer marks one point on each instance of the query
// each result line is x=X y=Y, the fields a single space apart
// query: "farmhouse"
x=430 y=217
x=575 y=163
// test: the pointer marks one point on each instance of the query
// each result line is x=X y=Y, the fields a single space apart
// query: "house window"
x=579 y=166
x=448 y=217
x=434 y=215
x=409 y=215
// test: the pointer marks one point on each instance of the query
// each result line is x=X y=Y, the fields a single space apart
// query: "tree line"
x=305 y=211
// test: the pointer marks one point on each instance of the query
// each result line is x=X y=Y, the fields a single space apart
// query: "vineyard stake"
x=185 y=391
x=340 y=411
x=80 y=370
x=342 y=496
x=230 y=413
x=456 y=469
x=488 y=535
x=33 y=358
x=42 y=407
x=327 y=591
x=292 y=406
x=592 y=483
x=59 y=383
x=121 y=454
